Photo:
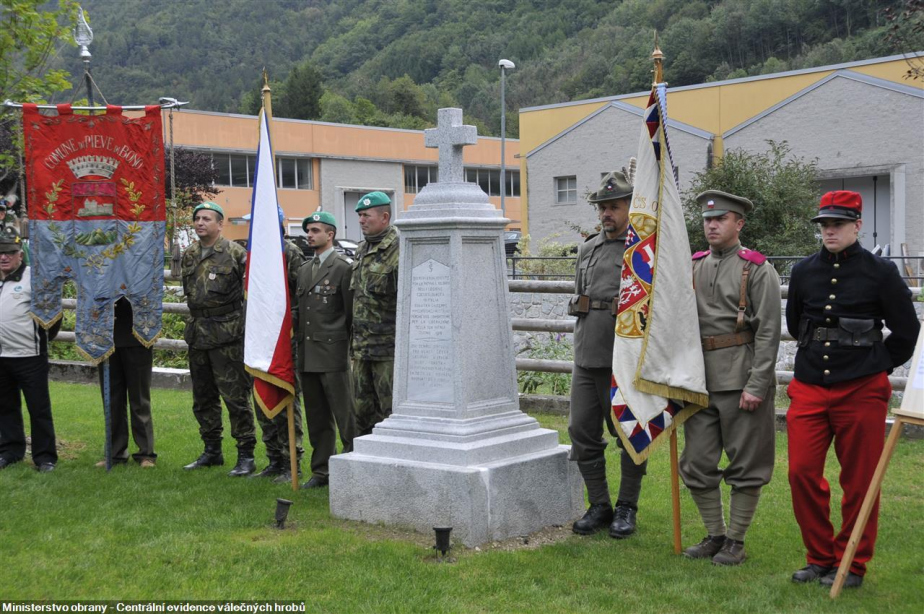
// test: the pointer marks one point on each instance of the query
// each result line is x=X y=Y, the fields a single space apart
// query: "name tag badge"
x=212 y=276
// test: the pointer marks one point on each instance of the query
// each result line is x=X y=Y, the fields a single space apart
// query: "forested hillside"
x=393 y=62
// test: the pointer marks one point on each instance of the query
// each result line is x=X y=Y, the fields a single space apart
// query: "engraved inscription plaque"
x=429 y=369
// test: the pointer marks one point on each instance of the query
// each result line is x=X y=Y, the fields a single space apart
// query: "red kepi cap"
x=840 y=205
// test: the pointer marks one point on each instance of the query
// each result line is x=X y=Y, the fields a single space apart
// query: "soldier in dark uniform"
x=276 y=431
x=130 y=367
x=838 y=300
x=213 y=282
x=599 y=266
x=375 y=306
x=739 y=306
x=325 y=321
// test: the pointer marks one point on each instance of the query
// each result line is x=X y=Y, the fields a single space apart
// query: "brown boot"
x=705 y=549
x=732 y=553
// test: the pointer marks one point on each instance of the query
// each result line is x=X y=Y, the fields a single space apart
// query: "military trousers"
x=130 y=401
x=328 y=409
x=372 y=384
x=747 y=437
x=218 y=374
x=590 y=404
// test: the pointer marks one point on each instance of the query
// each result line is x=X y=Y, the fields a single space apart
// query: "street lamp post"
x=505 y=65
x=83 y=36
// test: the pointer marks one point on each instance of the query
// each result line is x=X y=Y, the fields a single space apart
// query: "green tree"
x=783 y=188
x=31 y=33
x=336 y=108
x=302 y=94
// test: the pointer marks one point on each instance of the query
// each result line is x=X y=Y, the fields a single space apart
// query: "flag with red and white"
x=268 y=324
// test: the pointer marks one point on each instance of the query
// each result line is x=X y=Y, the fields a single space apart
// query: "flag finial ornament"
x=658 y=57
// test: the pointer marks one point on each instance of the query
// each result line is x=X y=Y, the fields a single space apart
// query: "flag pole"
x=293 y=459
x=658 y=58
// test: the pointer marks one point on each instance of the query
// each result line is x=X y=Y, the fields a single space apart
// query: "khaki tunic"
x=747 y=437
x=598 y=272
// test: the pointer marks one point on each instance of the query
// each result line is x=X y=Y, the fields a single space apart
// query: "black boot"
x=623 y=520
x=212 y=457
x=286 y=476
x=245 y=465
x=272 y=470
x=598 y=516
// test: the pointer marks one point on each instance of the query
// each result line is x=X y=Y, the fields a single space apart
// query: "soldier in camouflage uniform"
x=375 y=304
x=213 y=282
x=276 y=431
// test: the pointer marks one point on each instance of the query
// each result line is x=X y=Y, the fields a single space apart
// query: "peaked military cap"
x=322 y=217
x=614 y=185
x=715 y=203
x=10 y=243
x=211 y=207
x=840 y=205
x=372 y=199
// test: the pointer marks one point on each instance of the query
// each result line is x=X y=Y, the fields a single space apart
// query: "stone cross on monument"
x=450 y=136
x=456 y=451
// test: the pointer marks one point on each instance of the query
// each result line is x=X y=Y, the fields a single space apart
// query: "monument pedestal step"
x=486 y=502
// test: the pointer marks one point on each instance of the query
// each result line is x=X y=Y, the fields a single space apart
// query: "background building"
x=329 y=166
x=862 y=121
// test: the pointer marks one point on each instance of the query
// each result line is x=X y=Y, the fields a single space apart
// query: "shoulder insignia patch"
x=752 y=256
x=700 y=255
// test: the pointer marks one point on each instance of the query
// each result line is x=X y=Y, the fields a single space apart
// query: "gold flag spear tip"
x=658 y=57
x=266 y=86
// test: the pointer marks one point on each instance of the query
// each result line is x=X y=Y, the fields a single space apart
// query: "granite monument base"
x=492 y=501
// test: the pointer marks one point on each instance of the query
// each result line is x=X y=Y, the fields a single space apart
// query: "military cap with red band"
x=840 y=205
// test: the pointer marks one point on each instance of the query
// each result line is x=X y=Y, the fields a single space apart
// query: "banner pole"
x=675 y=492
x=293 y=457
x=107 y=414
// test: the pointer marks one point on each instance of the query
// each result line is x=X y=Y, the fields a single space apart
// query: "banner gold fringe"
x=145 y=342
x=663 y=438
x=272 y=412
x=671 y=392
x=50 y=323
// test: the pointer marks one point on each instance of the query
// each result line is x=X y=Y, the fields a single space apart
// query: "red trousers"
x=853 y=414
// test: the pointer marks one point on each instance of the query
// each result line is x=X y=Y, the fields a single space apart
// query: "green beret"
x=715 y=203
x=211 y=207
x=10 y=243
x=372 y=199
x=319 y=216
x=614 y=185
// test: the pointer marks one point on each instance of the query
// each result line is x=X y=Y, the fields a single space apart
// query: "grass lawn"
x=165 y=533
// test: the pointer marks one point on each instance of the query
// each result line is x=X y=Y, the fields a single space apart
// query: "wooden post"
x=293 y=457
x=868 y=502
x=675 y=492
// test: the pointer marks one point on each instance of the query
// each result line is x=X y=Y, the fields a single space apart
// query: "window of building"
x=488 y=179
x=565 y=190
x=416 y=177
x=236 y=170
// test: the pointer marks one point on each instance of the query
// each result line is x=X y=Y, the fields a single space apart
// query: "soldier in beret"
x=838 y=300
x=276 y=430
x=213 y=282
x=375 y=304
x=325 y=321
x=597 y=277
x=739 y=307
x=23 y=363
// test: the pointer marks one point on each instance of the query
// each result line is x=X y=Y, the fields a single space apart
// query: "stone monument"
x=456 y=451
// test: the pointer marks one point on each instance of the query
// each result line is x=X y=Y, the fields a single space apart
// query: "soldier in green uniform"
x=739 y=305
x=375 y=305
x=276 y=431
x=325 y=321
x=213 y=282
x=596 y=283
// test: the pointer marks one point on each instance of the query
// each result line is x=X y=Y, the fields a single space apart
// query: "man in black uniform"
x=596 y=283
x=838 y=299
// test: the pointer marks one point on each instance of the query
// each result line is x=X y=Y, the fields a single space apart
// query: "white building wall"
x=856 y=129
x=603 y=143
x=339 y=177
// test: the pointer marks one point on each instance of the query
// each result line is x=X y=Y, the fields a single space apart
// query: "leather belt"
x=603 y=304
x=214 y=311
x=726 y=341
x=835 y=334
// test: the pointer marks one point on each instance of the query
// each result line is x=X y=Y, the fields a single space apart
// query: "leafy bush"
x=560 y=263
x=551 y=347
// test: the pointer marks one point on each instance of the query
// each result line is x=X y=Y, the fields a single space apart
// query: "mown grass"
x=164 y=533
